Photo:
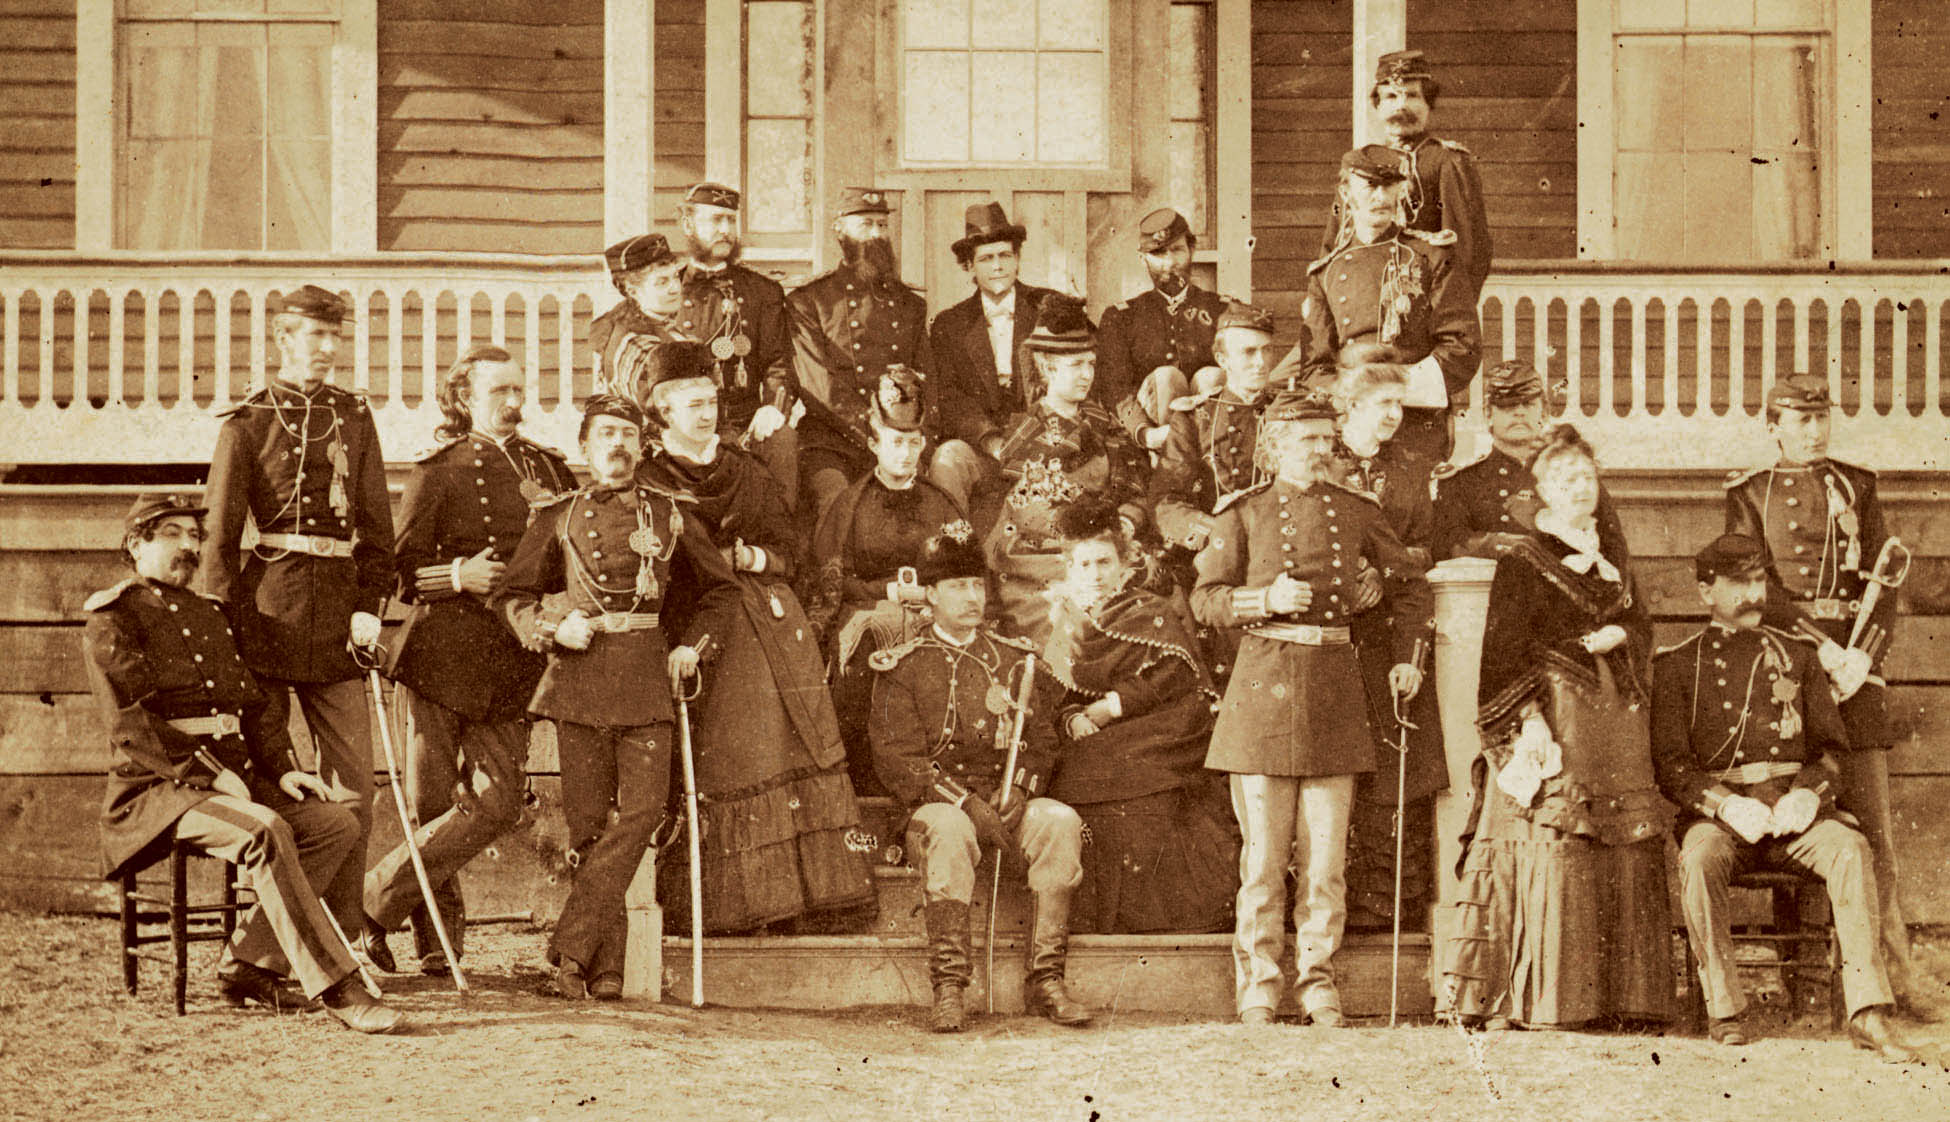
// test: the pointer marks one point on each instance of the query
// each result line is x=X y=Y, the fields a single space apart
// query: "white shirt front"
x=1001 y=316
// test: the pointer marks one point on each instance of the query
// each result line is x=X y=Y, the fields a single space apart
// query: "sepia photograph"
x=1097 y=560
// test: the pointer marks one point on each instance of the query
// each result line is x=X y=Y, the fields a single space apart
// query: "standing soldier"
x=945 y=718
x=463 y=680
x=586 y=586
x=977 y=343
x=1497 y=494
x=1395 y=287
x=1444 y=190
x=1155 y=343
x=201 y=759
x=1821 y=524
x=300 y=458
x=849 y=326
x=1281 y=564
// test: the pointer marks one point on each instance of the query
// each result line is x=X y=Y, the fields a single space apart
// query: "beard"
x=721 y=252
x=1169 y=279
x=872 y=258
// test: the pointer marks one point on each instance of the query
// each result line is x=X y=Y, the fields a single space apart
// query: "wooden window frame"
x=1847 y=221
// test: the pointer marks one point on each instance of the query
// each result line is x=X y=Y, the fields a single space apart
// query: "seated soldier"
x=949 y=712
x=1745 y=735
x=650 y=275
x=200 y=761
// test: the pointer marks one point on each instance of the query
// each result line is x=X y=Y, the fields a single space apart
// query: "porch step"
x=1189 y=974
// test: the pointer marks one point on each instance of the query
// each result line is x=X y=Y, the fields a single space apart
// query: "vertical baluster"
x=1510 y=301
x=117 y=345
x=531 y=340
x=1770 y=344
x=395 y=337
x=1607 y=356
x=362 y=344
x=498 y=316
x=1899 y=357
x=1707 y=308
x=429 y=340
x=565 y=360
x=45 y=382
x=1865 y=350
x=1803 y=308
x=220 y=328
x=463 y=322
x=186 y=346
x=1932 y=357
x=10 y=340
x=1637 y=407
x=1573 y=355
x=1669 y=352
x=1736 y=354
x=1540 y=333
x=152 y=346
x=259 y=298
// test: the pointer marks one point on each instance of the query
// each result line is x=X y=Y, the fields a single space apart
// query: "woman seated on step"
x=1161 y=850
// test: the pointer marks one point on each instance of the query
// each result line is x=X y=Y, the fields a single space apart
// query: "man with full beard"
x=1152 y=345
x=849 y=326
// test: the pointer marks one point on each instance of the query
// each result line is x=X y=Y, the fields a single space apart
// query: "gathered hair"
x=456 y=385
x=1560 y=442
x=1355 y=381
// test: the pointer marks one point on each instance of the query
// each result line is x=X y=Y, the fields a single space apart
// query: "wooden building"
x=1688 y=198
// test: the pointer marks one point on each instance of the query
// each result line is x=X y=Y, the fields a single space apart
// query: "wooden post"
x=355 y=130
x=1234 y=121
x=629 y=118
x=724 y=91
x=643 y=954
x=1597 y=225
x=94 y=127
x=1380 y=26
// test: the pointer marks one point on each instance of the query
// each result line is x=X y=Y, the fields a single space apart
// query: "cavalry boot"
x=948 y=962
x=1044 y=991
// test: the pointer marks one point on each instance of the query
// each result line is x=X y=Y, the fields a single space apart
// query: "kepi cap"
x=148 y=508
x=863 y=200
x=1376 y=163
x=1729 y=555
x=1240 y=314
x=610 y=405
x=1160 y=228
x=1299 y=404
x=1401 y=66
x=643 y=251
x=712 y=194
x=1804 y=392
x=313 y=302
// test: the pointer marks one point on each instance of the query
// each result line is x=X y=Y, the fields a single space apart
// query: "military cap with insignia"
x=1401 y=66
x=862 y=200
x=151 y=507
x=1062 y=327
x=1376 y=163
x=1160 y=228
x=897 y=401
x=712 y=194
x=1729 y=555
x=1511 y=383
x=1243 y=315
x=1299 y=404
x=608 y=405
x=983 y=223
x=952 y=553
x=313 y=302
x=644 y=251
x=1803 y=392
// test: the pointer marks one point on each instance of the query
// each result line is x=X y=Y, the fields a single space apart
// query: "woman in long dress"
x=1162 y=849
x=1563 y=916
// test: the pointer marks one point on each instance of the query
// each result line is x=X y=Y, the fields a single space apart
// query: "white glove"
x=365 y=629
x=1748 y=817
x=1154 y=438
x=1606 y=638
x=682 y=662
x=1286 y=595
x=1794 y=812
x=765 y=422
x=574 y=632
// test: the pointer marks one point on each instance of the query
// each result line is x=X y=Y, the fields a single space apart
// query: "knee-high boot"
x=1044 y=990
x=948 y=962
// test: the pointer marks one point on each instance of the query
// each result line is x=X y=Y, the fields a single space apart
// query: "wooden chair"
x=173 y=919
x=1789 y=934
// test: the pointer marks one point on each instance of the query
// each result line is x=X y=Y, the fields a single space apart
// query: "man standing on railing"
x=1821 y=523
x=299 y=459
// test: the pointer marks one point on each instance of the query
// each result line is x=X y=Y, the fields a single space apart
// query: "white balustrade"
x=133 y=358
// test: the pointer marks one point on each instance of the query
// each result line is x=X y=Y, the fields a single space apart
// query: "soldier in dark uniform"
x=1154 y=344
x=1210 y=454
x=586 y=585
x=977 y=343
x=463 y=681
x=1281 y=564
x=849 y=326
x=301 y=459
x=1496 y=494
x=1396 y=287
x=1444 y=190
x=944 y=709
x=861 y=593
x=203 y=758
x=1821 y=524
x=1746 y=740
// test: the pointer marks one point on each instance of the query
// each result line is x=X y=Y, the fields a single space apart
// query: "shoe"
x=1256 y=1015
x=372 y=944
x=949 y=1012
x=1044 y=990
x=569 y=982
x=1731 y=1031
x=1048 y=996
x=1327 y=1016
x=1870 y=1030
x=241 y=983
x=360 y=1011
x=607 y=986
x=1498 y=1023
x=435 y=964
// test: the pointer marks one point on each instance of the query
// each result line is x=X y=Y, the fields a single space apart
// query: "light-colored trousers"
x=1299 y=822
x=942 y=838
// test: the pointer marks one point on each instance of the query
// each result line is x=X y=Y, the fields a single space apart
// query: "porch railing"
x=132 y=359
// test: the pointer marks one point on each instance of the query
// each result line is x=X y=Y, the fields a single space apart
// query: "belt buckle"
x=615 y=623
x=316 y=546
x=228 y=724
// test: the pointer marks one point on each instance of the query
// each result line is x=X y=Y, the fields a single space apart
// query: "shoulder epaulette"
x=1353 y=490
x=1320 y=263
x=1022 y=645
x=107 y=596
x=1786 y=636
x=1433 y=237
x=1225 y=501
x=1869 y=471
x=886 y=658
x=1453 y=146
x=542 y=448
x=1445 y=469
x=1121 y=306
x=1736 y=477
x=353 y=396
x=425 y=454
x=1680 y=645
x=560 y=497
x=673 y=494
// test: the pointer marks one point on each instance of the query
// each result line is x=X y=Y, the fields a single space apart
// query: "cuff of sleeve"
x=1115 y=703
x=949 y=791
x=760 y=559
x=1712 y=799
x=1028 y=781
x=429 y=579
x=1249 y=604
x=1426 y=388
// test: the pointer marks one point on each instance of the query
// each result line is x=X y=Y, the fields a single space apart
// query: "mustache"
x=508 y=414
x=1746 y=606
x=872 y=258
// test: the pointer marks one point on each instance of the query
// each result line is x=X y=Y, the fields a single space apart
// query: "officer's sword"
x=1402 y=726
x=696 y=847
x=1017 y=721
x=367 y=657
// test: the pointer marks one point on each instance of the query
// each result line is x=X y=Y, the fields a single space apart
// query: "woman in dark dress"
x=1161 y=851
x=780 y=822
x=1563 y=913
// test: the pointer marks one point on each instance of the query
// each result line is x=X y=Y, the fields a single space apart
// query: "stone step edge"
x=1217 y=941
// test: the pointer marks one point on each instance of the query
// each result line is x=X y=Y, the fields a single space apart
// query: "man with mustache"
x=1746 y=740
x=849 y=326
x=587 y=587
x=1393 y=286
x=203 y=758
x=978 y=341
x=1496 y=494
x=463 y=681
x=1153 y=345
x=300 y=458
x=1445 y=192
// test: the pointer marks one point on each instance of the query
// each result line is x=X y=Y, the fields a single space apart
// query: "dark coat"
x=737 y=302
x=275 y=464
x=975 y=403
x=465 y=497
x=1142 y=334
x=1445 y=192
x=156 y=653
x=1346 y=303
x=845 y=333
x=1498 y=495
x=865 y=536
x=1208 y=455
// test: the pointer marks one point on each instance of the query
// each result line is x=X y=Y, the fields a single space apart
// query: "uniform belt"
x=318 y=545
x=618 y=622
x=1749 y=774
x=1306 y=634
x=220 y=724
x=1830 y=608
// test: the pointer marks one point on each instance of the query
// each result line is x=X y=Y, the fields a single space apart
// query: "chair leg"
x=229 y=912
x=130 y=963
x=179 y=923
x=1837 y=1000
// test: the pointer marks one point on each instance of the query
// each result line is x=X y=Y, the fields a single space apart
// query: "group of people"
x=1098 y=596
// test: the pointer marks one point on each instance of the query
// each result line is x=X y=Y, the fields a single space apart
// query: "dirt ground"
x=72 y=1045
